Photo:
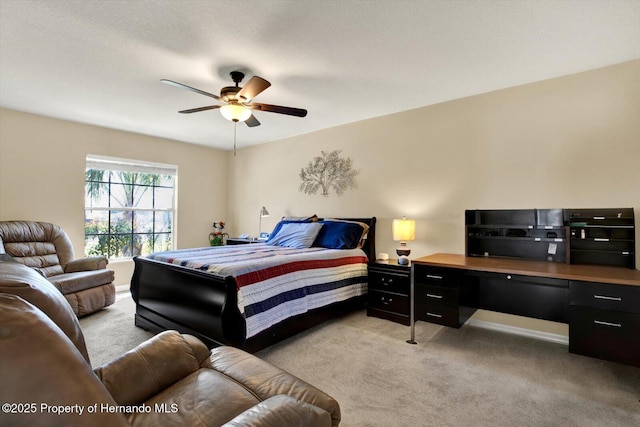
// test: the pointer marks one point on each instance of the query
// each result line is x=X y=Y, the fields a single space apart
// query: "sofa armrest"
x=266 y=380
x=149 y=368
x=280 y=411
x=86 y=264
x=200 y=350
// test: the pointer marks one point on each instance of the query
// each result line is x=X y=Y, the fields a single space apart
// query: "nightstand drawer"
x=605 y=296
x=389 y=302
x=437 y=314
x=436 y=295
x=389 y=281
x=610 y=335
x=436 y=276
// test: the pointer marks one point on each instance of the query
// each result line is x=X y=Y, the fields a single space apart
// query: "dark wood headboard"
x=369 y=246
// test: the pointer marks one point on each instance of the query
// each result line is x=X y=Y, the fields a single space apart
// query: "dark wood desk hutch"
x=574 y=266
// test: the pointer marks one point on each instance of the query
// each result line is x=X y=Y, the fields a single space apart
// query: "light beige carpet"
x=466 y=377
x=110 y=332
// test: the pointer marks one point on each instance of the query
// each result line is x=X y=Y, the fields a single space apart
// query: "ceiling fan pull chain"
x=235 y=127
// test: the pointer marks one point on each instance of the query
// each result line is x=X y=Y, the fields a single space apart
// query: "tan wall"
x=42 y=165
x=567 y=142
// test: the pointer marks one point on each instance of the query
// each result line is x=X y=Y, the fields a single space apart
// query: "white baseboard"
x=545 y=336
x=122 y=288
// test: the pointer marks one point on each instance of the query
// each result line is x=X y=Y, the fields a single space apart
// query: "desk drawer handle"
x=433 y=276
x=386 y=302
x=607 y=298
x=434 y=315
x=434 y=296
x=600 y=322
x=386 y=281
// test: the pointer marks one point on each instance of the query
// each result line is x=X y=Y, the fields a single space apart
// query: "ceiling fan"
x=238 y=100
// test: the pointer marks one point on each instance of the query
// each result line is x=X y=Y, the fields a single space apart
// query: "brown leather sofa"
x=85 y=283
x=172 y=379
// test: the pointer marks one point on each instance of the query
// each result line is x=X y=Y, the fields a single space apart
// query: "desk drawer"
x=436 y=295
x=609 y=335
x=388 y=281
x=438 y=314
x=605 y=296
x=436 y=276
x=389 y=302
x=530 y=296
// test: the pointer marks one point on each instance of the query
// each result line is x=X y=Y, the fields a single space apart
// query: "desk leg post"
x=412 y=321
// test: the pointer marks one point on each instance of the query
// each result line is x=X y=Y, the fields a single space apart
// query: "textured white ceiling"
x=100 y=62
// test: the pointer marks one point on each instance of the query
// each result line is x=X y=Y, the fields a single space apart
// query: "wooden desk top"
x=588 y=273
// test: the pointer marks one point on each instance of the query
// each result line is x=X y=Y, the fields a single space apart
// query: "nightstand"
x=389 y=286
x=239 y=241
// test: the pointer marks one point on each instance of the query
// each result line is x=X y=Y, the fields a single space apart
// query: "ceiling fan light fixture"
x=236 y=100
x=235 y=112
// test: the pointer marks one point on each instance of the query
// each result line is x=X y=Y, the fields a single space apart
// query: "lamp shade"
x=235 y=112
x=404 y=230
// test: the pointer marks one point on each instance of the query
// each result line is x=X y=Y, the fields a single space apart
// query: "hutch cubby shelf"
x=570 y=236
x=602 y=236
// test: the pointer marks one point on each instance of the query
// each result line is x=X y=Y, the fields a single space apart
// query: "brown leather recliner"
x=85 y=283
x=171 y=379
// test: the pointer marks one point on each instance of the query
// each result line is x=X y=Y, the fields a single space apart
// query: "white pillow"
x=296 y=235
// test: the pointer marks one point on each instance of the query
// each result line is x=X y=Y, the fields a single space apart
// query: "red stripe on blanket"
x=279 y=270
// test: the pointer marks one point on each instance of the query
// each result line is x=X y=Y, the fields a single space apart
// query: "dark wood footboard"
x=169 y=296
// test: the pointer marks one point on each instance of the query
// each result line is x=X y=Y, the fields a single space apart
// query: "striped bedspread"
x=275 y=283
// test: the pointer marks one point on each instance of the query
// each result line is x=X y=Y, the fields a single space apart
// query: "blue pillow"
x=279 y=225
x=295 y=234
x=339 y=235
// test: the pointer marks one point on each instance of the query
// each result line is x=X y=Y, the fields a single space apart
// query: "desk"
x=600 y=304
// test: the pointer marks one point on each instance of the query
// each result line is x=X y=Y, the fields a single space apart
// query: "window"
x=129 y=207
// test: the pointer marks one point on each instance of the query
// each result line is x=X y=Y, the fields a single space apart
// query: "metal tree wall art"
x=328 y=171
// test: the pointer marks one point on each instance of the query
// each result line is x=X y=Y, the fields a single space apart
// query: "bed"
x=233 y=295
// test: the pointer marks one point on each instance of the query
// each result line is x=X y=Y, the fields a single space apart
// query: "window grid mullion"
x=109 y=238
x=153 y=216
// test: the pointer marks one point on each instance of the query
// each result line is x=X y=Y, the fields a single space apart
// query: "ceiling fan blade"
x=252 y=121
x=193 y=89
x=253 y=88
x=195 y=110
x=298 y=112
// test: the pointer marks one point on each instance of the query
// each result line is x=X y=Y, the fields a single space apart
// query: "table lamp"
x=404 y=230
x=263 y=213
